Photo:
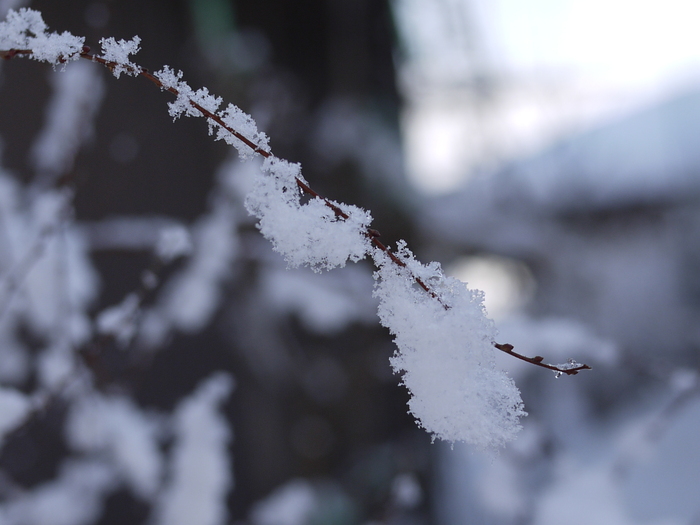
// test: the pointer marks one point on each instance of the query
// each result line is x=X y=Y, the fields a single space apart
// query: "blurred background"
x=160 y=364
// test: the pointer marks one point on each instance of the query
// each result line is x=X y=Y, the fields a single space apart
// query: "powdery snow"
x=305 y=233
x=117 y=52
x=25 y=29
x=445 y=354
x=232 y=116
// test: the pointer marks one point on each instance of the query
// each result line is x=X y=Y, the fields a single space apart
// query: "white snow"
x=191 y=297
x=445 y=354
x=173 y=242
x=569 y=472
x=291 y=504
x=77 y=94
x=445 y=340
x=305 y=233
x=201 y=477
x=232 y=116
x=73 y=498
x=14 y=406
x=47 y=277
x=243 y=123
x=26 y=29
x=115 y=426
x=117 y=52
x=181 y=105
x=120 y=320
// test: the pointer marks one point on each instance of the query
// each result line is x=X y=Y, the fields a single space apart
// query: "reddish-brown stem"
x=372 y=234
x=10 y=53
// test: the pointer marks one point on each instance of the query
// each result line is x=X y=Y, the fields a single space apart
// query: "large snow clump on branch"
x=445 y=354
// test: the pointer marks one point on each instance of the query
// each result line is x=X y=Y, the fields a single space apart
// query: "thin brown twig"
x=372 y=234
x=570 y=369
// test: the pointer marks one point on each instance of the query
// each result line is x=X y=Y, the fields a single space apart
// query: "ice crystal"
x=117 y=53
x=26 y=29
x=308 y=233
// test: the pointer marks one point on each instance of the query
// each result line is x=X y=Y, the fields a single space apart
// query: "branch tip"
x=570 y=369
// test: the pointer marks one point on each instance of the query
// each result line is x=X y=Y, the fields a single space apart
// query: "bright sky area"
x=487 y=81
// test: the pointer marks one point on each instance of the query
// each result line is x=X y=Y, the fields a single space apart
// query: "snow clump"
x=306 y=233
x=445 y=353
x=117 y=53
x=26 y=29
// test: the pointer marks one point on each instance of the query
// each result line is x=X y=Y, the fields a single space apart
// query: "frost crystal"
x=569 y=365
x=186 y=95
x=445 y=354
x=232 y=116
x=309 y=233
x=117 y=52
x=25 y=29
x=243 y=124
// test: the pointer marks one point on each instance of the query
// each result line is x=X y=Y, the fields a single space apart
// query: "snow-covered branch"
x=445 y=341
